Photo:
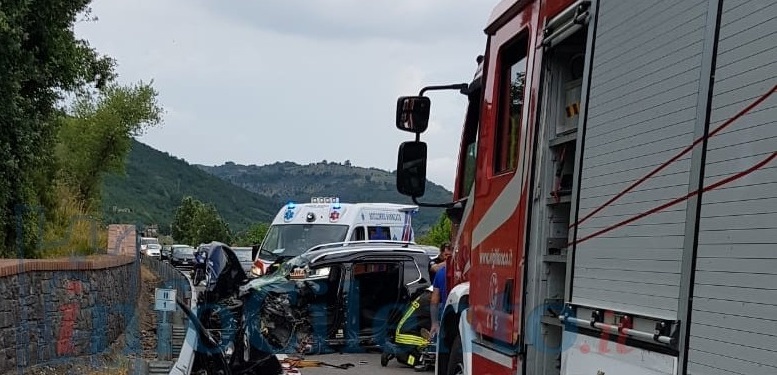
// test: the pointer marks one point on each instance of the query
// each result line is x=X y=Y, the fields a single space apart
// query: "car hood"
x=262 y=282
x=273 y=283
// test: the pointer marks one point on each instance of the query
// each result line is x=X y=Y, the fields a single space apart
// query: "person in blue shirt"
x=440 y=260
x=439 y=295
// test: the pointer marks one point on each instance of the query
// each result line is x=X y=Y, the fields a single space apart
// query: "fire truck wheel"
x=456 y=360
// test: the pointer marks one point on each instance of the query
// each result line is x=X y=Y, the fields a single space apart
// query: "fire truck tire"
x=456 y=360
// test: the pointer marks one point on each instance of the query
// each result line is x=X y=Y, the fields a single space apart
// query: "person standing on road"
x=439 y=261
x=439 y=295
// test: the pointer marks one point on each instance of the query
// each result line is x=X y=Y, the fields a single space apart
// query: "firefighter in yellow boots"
x=411 y=337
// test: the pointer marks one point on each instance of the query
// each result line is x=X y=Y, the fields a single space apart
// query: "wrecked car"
x=220 y=320
x=340 y=298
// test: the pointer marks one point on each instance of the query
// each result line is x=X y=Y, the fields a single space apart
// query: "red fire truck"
x=615 y=207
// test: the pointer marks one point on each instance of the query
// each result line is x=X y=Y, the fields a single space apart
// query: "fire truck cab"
x=611 y=210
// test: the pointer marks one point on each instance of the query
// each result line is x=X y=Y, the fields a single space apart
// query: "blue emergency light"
x=289 y=214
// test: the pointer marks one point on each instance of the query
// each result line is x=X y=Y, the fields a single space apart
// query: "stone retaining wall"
x=55 y=309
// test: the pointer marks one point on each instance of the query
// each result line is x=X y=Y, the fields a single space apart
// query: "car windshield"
x=146 y=241
x=289 y=240
x=183 y=250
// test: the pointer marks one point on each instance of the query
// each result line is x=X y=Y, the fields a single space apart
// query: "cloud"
x=171 y=42
x=256 y=82
x=410 y=79
x=442 y=171
x=410 y=21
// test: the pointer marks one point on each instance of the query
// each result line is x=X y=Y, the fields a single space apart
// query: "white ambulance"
x=298 y=227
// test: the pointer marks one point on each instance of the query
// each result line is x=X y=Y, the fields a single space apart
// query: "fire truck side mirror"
x=411 y=169
x=413 y=113
x=455 y=214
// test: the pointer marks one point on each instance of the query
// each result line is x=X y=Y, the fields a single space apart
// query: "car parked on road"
x=182 y=256
x=345 y=296
x=153 y=250
x=146 y=241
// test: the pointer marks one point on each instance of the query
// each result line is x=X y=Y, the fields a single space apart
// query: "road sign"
x=164 y=299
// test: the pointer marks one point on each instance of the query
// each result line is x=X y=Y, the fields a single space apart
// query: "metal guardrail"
x=183 y=337
x=183 y=365
x=172 y=277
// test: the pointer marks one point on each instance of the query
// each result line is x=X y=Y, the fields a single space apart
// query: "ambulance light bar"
x=325 y=200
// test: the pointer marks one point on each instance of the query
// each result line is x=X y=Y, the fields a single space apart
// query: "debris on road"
x=298 y=362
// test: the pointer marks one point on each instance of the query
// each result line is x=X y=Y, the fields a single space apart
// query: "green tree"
x=210 y=226
x=182 y=226
x=253 y=235
x=96 y=135
x=94 y=139
x=439 y=233
x=41 y=61
x=196 y=222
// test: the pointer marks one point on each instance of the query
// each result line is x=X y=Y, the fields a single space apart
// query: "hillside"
x=155 y=182
x=284 y=181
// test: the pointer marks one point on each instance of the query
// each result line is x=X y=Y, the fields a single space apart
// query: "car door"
x=374 y=295
x=326 y=309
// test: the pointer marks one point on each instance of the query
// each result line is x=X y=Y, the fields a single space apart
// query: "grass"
x=120 y=367
x=72 y=230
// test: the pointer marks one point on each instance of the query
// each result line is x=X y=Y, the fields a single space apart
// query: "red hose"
x=680 y=199
x=685 y=151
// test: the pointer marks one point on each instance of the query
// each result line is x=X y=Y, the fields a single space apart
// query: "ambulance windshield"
x=289 y=240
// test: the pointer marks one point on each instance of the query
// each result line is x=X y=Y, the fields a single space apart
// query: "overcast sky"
x=259 y=81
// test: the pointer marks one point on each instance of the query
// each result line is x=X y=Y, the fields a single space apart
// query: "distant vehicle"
x=182 y=256
x=298 y=227
x=154 y=250
x=145 y=241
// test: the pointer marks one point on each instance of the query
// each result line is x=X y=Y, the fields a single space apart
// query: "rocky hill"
x=288 y=181
x=156 y=181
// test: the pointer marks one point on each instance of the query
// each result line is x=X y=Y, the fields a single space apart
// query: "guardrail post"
x=165 y=338
x=164 y=303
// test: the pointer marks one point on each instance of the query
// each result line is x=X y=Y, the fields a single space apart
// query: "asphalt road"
x=364 y=363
